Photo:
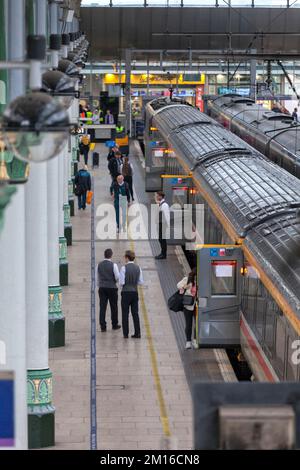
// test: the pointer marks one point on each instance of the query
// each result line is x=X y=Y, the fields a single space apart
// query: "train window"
x=260 y=313
x=223 y=278
x=280 y=345
x=292 y=371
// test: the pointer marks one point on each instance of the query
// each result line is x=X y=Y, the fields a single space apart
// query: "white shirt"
x=116 y=271
x=122 y=276
x=165 y=209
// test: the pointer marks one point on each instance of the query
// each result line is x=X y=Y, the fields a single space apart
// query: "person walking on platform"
x=85 y=147
x=108 y=276
x=111 y=153
x=131 y=277
x=119 y=191
x=188 y=287
x=295 y=115
x=127 y=172
x=163 y=223
x=114 y=165
x=82 y=186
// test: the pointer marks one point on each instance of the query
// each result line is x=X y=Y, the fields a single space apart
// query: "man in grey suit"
x=130 y=277
x=108 y=276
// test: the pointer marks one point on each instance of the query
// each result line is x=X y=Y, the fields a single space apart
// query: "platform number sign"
x=7 y=426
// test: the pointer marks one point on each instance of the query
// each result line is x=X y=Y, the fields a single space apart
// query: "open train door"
x=219 y=295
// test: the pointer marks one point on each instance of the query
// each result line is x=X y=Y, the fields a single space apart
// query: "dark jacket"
x=110 y=155
x=114 y=167
x=83 y=180
x=116 y=191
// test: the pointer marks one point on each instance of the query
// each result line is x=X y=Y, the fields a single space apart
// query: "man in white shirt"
x=130 y=278
x=163 y=223
x=108 y=276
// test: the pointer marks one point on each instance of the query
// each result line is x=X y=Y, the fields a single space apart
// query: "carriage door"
x=177 y=192
x=219 y=295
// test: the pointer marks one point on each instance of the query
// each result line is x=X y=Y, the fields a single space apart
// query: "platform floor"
x=142 y=386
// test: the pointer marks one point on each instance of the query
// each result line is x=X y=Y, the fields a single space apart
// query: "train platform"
x=112 y=393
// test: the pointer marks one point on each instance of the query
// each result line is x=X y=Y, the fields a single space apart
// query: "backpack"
x=175 y=302
x=128 y=169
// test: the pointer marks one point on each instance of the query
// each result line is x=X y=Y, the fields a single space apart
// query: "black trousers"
x=111 y=295
x=86 y=155
x=128 y=179
x=130 y=300
x=189 y=319
x=163 y=245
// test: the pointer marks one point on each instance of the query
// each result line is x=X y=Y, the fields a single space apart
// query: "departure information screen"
x=7 y=428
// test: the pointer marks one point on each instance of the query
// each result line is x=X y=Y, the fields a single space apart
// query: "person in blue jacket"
x=119 y=191
x=82 y=186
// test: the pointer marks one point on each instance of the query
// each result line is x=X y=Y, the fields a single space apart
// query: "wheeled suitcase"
x=95 y=159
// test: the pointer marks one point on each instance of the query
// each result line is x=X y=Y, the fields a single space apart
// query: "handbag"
x=175 y=302
x=89 y=197
x=78 y=190
x=188 y=300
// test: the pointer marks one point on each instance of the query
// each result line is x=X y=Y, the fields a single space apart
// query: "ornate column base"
x=41 y=413
x=68 y=226
x=56 y=318
x=63 y=263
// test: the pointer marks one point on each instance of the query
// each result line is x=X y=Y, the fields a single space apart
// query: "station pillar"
x=12 y=247
x=55 y=215
x=63 y=251
x=67 y=208
x=41 y=428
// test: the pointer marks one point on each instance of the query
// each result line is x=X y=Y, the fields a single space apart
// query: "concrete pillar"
x=128 y=90
x=12 y=251
x=67 y=210
x=63 y=260
x=39 y=378
x=56 y=317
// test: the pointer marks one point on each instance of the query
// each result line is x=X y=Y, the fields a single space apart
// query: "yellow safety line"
x=162 y=405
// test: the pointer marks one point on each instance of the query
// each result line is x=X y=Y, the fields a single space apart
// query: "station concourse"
x=167 y=132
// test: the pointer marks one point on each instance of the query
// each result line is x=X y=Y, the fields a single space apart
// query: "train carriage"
x=252 y=203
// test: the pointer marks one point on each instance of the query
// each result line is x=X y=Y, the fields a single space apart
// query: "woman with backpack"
x=188 y=287
x=127 y=172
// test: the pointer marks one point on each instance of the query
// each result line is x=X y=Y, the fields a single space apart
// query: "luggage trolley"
x=219 y=279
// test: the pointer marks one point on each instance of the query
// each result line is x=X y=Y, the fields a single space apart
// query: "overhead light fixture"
x=69 y=68
x=59 y=85
x=35 y=127
x=77 y=59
